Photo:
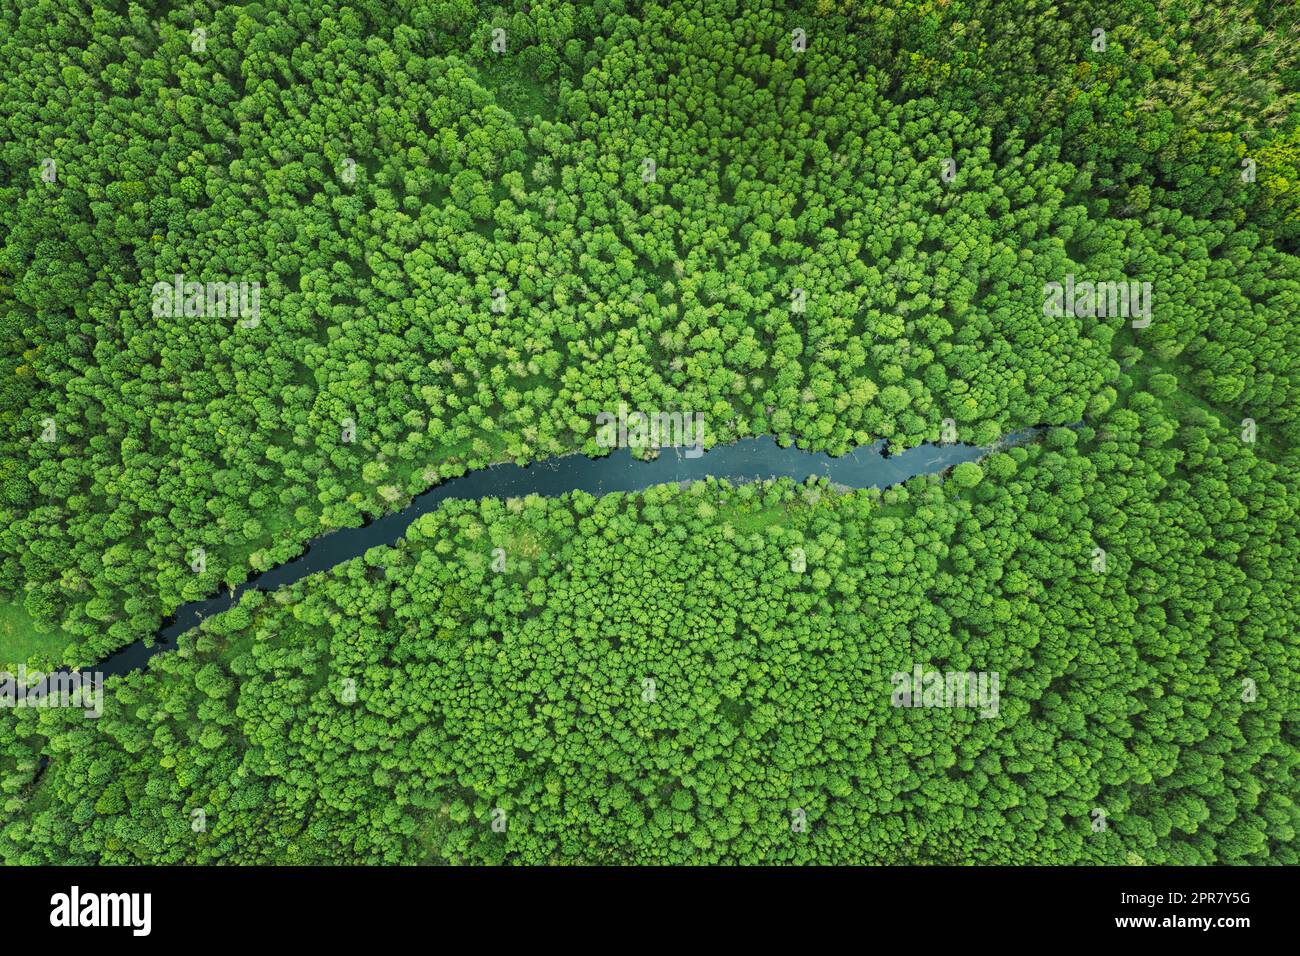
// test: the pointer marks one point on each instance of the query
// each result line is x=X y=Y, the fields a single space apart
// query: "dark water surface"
x=750 y=459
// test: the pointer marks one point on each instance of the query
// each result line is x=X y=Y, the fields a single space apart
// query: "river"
x=749 y=459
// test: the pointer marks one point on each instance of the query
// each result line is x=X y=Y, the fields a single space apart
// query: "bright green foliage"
x=381 y=179
x=834 y=245
x=526 y=691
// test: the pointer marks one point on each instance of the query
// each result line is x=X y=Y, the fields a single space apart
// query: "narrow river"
x=750 y=459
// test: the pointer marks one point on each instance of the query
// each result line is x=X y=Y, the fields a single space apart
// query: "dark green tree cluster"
x=1163 y=102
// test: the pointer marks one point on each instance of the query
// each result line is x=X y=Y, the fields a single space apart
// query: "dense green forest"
x=475 y=227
